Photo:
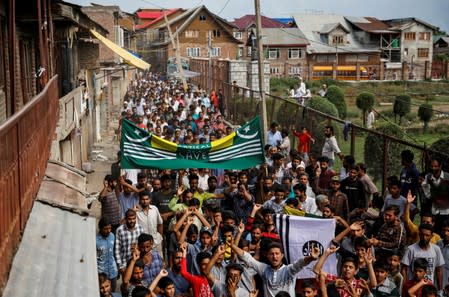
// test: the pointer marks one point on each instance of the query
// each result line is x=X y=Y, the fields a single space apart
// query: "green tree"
x=374 y=151
x=425 y=113
x=336 y=96
x=365 y=102
x=316 y=123
x=401 y=106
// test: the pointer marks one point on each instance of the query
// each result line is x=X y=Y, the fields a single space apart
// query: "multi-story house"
x=406 y=45
x=333 y=51
x=285 y=50
x=245 y=31
x=199 y=34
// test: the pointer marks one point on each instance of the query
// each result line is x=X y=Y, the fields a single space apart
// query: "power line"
x=226 y=4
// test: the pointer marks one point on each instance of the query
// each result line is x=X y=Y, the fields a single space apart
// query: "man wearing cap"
x=337 y=199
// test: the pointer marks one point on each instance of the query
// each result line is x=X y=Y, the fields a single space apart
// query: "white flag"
x=299 y=234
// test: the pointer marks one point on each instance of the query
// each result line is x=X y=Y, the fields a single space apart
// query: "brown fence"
x=25 y=141
x=243 y=104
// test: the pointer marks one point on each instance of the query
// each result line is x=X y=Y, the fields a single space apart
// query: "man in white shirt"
x=274 y=137
x=330 y=147
x=150 y=220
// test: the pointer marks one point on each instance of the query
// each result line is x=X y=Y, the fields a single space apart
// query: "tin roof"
x=249 y=20
x=56 y=256
x=283 y=37
x=369 y=24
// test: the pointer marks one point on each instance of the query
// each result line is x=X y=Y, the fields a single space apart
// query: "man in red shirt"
x=199 y=283
x=304 y=139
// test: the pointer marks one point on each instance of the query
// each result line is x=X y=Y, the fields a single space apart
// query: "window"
x=215 y=52
x=410 y=36
x=216 y=33
x=423 y=53
x=249 y=50
x=294 y=70
x=338 y=39
x=238 y=35
x=202 y=18
x=424 y=35
x=193 y=52
x=351 y=58
x=192 y=33
x=294 y=53
x=325 y=58
x=273 y=54
x=406 y=51
x=356 y=58
x=274 y=70
x=240 y=52
x=363 y=58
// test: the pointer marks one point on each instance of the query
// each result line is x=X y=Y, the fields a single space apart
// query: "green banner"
x=240 y=150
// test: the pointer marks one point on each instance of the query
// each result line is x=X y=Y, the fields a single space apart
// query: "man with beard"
x=330 y=147
x=150 y=221
x=306 y=204
x=337 y=199
x=392 y=233
x=162 y=198
x=429 y=251
x=126 y=239
x=353 y=188
x=174 y=273
x=436 y=191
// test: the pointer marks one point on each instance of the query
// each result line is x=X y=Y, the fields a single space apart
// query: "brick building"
x=201 y=34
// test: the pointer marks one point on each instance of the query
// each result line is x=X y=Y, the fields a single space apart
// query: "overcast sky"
x=435 y=12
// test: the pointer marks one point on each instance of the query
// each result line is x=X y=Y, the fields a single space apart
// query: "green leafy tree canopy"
x=336 y=96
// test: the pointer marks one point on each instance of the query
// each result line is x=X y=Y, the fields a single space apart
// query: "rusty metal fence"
x=243 y=104
x=25 y=141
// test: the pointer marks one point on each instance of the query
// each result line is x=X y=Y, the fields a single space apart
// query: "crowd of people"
x=210 y=232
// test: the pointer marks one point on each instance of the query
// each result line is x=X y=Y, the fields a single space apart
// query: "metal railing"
x=242 y=104
x=25 y=140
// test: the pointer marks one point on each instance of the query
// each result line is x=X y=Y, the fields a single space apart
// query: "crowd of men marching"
x=210 y=232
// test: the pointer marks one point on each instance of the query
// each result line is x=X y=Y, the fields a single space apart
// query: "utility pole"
x=261 y=65
x=209 y=45
x=177 y=53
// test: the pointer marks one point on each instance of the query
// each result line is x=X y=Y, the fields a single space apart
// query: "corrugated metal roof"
x=57 y=254
x=370 y=24
x=283 y=36
x=248 y=20
x=313 y=24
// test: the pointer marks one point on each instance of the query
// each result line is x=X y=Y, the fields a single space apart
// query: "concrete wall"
x=253 y=76
x=238 y=72
x=416 y=68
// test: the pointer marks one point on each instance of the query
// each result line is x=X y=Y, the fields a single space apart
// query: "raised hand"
x=180 y=190
x=136 y=254
x=241 y=227
x=254 y=293
x=315 y=252
x=257 y=207
x=410 y=197
x=221 y=249
x=163 y=273
x=356 y=226
x=332 y=249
